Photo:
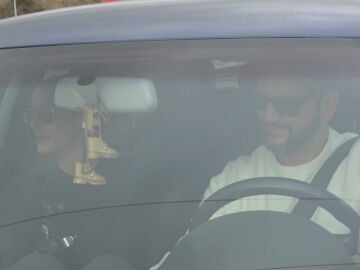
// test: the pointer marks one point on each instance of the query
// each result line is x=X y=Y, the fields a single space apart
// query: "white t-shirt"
x=262 y=163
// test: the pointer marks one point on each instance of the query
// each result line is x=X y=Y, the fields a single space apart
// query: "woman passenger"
x=50 y=190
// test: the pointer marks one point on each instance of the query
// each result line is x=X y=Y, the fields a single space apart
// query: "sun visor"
x=117 y=94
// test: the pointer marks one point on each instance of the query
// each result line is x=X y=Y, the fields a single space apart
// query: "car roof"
x=183 y=19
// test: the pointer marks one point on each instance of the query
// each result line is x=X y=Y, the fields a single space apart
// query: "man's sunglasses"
x=286 y=106
x=45 y=113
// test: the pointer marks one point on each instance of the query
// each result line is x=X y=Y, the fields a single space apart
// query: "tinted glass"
x=181 y=110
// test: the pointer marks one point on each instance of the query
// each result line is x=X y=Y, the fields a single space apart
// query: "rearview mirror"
x=117 y=94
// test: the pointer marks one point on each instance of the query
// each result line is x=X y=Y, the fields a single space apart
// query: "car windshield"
x=111 y=148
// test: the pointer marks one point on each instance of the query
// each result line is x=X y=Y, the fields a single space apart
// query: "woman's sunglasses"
x=286 y=106
x=45 y=113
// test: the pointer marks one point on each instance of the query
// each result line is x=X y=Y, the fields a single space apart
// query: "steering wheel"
x=287 y=187
x=265 y=239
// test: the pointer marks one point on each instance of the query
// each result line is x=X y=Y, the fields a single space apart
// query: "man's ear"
x=329 y=105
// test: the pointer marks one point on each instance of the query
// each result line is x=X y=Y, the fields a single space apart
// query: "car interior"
x=178 y=111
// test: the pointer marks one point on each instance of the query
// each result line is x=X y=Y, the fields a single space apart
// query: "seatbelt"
x=322 y=178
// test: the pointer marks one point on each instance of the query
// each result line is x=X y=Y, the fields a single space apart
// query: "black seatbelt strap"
x=322 y=178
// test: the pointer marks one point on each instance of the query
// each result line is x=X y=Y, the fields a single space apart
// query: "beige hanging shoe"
x=96 y=148
x=84 y=174
x=95 y=145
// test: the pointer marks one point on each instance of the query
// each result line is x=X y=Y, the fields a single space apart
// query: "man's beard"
x=296 y=141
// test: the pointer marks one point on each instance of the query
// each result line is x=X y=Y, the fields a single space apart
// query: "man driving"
x=293 y=117
x=293 y=114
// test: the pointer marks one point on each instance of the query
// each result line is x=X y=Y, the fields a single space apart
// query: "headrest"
x=117 y=94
